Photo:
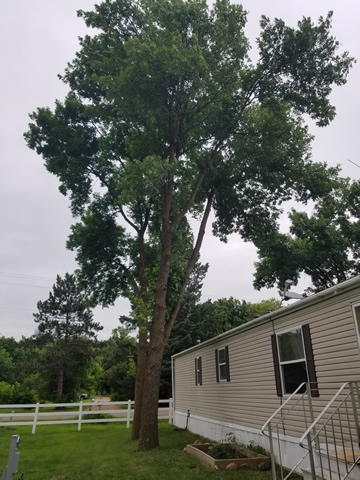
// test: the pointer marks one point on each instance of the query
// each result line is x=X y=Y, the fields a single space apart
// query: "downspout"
x=173 y=389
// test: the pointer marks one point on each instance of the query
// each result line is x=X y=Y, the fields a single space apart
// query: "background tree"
x=6 y=366
x=65 y=320
x=202 y=321
x=324 y=245
x=117 y=358
x=19 y=366
x=168 y=112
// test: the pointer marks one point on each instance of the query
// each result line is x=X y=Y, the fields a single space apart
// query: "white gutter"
x=301 y=304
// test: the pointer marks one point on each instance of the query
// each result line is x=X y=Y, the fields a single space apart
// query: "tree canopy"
x=167 y=118
x=324 y=245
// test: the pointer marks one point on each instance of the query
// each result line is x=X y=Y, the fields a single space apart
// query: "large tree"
x=325 y=245
x=66 y=321
x=167 y=117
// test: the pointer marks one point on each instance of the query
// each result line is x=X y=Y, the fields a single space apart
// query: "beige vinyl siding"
x=251 y=380
x=250 y=397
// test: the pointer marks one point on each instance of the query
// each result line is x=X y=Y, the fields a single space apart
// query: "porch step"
x=340 y=459
x=324 y=475
x=333 y=475
x=347 y=454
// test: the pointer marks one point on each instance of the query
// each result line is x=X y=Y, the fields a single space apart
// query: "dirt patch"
x=250 y=459
x=102 y=403
x=100 y=398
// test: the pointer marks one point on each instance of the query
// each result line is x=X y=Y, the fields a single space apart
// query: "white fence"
x=82 y=414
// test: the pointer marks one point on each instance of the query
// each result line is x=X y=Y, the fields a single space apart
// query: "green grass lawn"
x=105 y=452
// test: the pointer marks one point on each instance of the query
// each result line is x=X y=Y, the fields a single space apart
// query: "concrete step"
x=327 y=475
x=320 y=475
x=339 y=459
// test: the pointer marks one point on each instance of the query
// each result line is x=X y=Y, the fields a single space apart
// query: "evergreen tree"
x=66 y=322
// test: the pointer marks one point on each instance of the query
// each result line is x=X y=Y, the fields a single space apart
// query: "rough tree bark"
x=142 y=337
x=160 y=333
x=139 y=383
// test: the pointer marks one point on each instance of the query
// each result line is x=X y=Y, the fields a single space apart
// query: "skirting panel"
x=290 y=450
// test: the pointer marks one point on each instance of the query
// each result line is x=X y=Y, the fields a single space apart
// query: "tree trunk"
x=139 y=383
x=149 y=437
x=60 y=380
x=159 y=333
x=142 y=344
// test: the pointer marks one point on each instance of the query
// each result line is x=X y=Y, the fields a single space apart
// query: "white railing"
x=331 y=442
x=300 y=399
x=334 y=437
x=82 y=414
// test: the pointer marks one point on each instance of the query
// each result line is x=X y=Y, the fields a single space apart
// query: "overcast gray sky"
x=38 y=37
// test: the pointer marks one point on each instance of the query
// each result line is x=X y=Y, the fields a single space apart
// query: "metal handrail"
x=314 y=433
x=282 y=406
x=326 y=408
x=284 y=410
x=339 y=420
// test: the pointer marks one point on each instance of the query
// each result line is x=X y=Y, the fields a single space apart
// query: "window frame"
x=357 y=329
x=288 y=362
x=198 y=371
x=219 y=364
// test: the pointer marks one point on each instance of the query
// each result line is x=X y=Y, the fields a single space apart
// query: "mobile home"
x=290 y=362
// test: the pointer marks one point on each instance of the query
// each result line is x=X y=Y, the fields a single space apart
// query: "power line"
x=16 y=308
x=32 y=309
x=353 y=163
x=25 y=285
x=23 y=275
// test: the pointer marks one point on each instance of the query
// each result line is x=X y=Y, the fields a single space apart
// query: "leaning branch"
x=192 y=261
x=128 y=221
x=130 y=277
x=191 y=199
x=103 y=180
x=219 y=147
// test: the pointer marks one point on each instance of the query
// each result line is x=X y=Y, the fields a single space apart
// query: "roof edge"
x=299 y=305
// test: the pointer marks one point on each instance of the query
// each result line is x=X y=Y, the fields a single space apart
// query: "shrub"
x=224 y=451
x=6 y=393
x=258 y=449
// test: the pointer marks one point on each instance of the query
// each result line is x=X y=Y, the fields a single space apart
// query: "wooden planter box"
x=253 y=460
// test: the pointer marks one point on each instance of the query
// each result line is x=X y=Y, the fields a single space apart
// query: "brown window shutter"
x=276 y=366
x=227 y=364
x=217 y=365
x=196 y=371
x=310 y=361
x=200 y=371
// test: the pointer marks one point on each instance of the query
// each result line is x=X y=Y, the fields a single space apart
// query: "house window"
x=198 y=371
x=294 y=361
x=356 y=312
x=222 y=364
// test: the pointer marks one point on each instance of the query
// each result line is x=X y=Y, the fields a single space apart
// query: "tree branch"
x=129 y=276
x=198 y=184
x=106 y=183
x=192 y=261
x=127 y=220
